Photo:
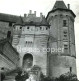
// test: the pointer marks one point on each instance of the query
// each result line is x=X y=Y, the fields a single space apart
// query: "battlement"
x=30 y=14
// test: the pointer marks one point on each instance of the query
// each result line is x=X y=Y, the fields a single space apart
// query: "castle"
x=49 y=41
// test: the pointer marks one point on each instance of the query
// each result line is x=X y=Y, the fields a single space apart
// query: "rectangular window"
x=10 y=23
x=28 y=43
x=65 y=35
x=66 y=47
x=64 y=22
x=70 y=69
x=65 y=32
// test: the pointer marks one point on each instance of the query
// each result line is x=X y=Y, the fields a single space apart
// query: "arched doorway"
x=27 y=61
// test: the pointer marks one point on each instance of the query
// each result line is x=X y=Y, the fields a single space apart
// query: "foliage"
x=64 y=77
x=67 y=77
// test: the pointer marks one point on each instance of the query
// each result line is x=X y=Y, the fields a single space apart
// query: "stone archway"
x=27 y=61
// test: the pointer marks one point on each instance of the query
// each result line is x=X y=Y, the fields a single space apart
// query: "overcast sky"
x=19 y=7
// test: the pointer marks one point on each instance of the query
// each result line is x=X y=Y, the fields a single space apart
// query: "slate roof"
x=4 y=41
x=2 y=46
x=59 y=4
x=8 y=17
x=37 y=21
x=18 y=20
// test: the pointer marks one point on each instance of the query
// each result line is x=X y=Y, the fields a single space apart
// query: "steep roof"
x=38 y=21
x=59 y=4
x=8 y=17
x=18 y=20
x=8 y=53
x=4 y=41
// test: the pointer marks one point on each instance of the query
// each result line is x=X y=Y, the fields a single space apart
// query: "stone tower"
x=30 y=36
x=61 y=20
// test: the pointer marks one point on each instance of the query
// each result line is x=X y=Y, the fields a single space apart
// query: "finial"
x=68 y=6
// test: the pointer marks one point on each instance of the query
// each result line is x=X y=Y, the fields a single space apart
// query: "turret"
x=61 y=20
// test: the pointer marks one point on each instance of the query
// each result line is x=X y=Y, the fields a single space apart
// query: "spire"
x=59 y=5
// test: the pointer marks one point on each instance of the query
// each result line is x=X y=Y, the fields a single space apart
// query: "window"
x=70 y=69
x=40 y=28
x=65 y=47
x=8 y=34
x=20 y=27
x=65 y=32
x=65 y=35
x=10 y=23
x=64 y=22
x=46 y=28
x=26 y=42
x=28 y=27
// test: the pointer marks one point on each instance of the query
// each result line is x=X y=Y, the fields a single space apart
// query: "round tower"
x=62 y=58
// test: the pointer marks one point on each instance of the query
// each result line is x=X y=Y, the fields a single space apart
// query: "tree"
x=67 y=77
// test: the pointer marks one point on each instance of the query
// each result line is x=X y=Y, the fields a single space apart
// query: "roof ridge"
x=9 y=14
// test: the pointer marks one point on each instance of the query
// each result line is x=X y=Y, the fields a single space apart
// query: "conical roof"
x=59 y=5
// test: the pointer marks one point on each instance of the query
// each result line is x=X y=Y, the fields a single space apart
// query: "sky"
x=19 y=7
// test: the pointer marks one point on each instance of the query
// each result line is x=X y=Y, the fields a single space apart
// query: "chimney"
x=68 y=6
x=25 y=15
x=35 y=13
x=30 y=12
x=41 y=15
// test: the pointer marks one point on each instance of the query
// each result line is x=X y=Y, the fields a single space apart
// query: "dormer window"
x=28 y=27
x=20 y=27
x=40 y=28
x=64 y=22
x=46 y=28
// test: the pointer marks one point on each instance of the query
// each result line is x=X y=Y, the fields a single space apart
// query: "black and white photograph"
x=39 y=40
